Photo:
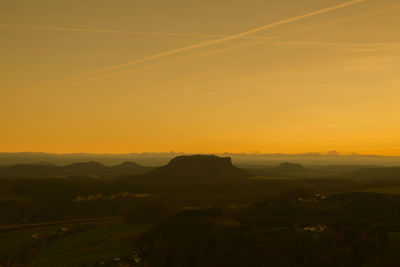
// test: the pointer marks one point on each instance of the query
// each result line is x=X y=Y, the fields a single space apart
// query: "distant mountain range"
x=88 y=169
x=158 y=159
x=182 y=167
x=195 y=167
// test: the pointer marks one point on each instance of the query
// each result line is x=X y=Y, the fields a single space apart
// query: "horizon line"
x=252 y=153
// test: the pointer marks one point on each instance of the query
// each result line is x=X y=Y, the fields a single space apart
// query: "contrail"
x=147 y=67
x=231 y=37
x=209 y=52
x=350 y=46
x=90 y=30
x=367 y=14
x=210 y=43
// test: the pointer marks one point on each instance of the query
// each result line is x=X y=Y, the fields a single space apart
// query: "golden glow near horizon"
x=200 y=76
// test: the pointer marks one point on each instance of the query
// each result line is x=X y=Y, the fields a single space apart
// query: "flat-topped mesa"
x=201 y=166
x=202 y=162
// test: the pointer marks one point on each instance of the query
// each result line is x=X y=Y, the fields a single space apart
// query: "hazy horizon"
x=322 y=153
x=159 y=158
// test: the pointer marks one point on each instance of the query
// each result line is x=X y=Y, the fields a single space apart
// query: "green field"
x=14 y=242
x=97 y=242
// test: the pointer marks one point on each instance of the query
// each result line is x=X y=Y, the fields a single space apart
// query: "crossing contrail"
x=206 y=43
x=231 y=37
x=191 y=56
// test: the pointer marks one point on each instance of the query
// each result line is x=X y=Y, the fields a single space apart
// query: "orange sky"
x=200 y=76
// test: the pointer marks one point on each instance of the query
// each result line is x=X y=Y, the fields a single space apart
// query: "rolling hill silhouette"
x=200 y=167
x=376 y=173
x=290 y=170
x=290 y=167
x=76 y=169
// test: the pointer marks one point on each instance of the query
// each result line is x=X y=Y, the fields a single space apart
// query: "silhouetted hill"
x=290 y=167
x=130 y=168
x=76 y=169
x=158 y=159
x=199 y=166
x=290 y=170
x=85 y=169
x=376 y=173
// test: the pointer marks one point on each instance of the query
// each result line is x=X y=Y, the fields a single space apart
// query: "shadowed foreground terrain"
x=199 y=211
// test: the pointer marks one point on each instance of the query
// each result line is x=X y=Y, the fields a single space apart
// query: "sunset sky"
x=207 y=76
